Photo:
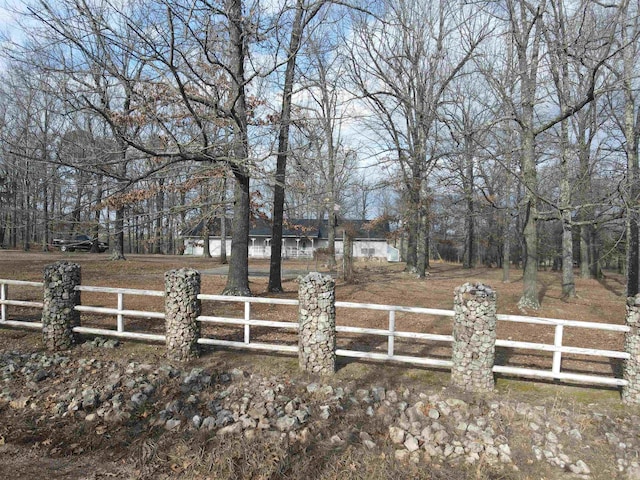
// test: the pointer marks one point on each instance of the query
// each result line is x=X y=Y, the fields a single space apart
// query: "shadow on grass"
x=613 y=285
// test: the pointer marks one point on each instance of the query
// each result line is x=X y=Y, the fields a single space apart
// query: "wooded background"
x=496 y=132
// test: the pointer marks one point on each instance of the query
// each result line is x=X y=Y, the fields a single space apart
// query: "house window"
x=304 y=244
x=267 y=242
x=369 y=252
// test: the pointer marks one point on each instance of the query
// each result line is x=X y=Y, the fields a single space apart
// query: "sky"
x=8 y=17
x=8 y=25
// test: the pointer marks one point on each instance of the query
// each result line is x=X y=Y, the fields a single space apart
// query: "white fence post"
x=120 y=317
x=392 y=329
x=3 y=297
x=247 y=327
x=557 y=354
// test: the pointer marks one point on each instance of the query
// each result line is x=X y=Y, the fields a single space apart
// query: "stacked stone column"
x=182 y=307
x=474 y=337
x=60 y=297
x=317 y=317
x=631 y=373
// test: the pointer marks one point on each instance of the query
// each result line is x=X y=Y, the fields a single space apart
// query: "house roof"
x=292 y=228
x=307 y=228
x=364 y=228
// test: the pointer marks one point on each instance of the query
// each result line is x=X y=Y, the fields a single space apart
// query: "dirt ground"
x=597 y=301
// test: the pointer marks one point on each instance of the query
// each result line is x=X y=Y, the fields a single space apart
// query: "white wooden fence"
x=5 y=301
x=391 y=333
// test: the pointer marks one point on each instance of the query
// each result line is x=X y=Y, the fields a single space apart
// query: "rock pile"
x=415 y=425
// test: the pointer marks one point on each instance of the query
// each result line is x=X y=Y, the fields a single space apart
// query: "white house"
x=301 y=238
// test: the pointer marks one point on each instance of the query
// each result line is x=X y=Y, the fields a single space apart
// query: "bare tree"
x=526 y=33
x=402 y=67
x=304 y=13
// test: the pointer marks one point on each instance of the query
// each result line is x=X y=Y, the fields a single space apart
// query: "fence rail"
x=5 y=301
x=391 y=332
x=120 y=311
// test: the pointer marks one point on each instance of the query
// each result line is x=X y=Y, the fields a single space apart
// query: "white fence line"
x=391 y=333
x=120 y=312
x=4 y=300
x=111 y=333
x=566 y=323
x=247 y=322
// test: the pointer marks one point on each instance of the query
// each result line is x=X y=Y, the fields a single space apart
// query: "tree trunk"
x=422 y=261
x=275 y=265
x=633 y=171
x=238 y=277
x=223 y=238
x=412 y=233
x=468 y=260
x=117 y=253
x=223 y=224
x=45 y=213
x=529 y=297
x=96 y=216
x=594 y=255
x=506 y=250
x=331 y=239
x=206 y=246
x=506 y=232
x=158 y=236
x=568 y=281
x=26 y=216
x=347 y=258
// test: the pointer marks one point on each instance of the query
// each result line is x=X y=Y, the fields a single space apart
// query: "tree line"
x=498 y=131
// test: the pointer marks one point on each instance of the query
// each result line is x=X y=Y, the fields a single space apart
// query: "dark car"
x=79 y=242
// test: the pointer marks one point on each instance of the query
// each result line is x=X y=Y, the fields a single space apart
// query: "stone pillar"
x=182 y=307
x=317 y=317
x=60 y=297
x=474 y=337
x=631 y=373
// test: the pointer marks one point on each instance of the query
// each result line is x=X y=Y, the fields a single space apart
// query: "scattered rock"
x=396 y=434
x=423 y=426
x=172 y=424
